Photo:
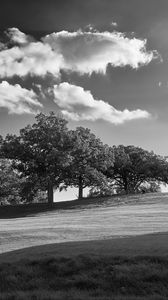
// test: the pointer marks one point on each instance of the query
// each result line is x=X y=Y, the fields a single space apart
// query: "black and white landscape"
x=83 y=149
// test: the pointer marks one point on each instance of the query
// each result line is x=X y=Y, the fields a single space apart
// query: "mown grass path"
x=123 y=216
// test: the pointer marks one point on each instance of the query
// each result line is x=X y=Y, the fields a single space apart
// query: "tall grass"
x=85 y=278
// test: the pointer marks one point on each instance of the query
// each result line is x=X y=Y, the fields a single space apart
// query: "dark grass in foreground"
x=85 y=277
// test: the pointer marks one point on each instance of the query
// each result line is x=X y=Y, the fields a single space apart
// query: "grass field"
x=130 y=268
x=85 y=278
x=85 y=220
x=94 y=250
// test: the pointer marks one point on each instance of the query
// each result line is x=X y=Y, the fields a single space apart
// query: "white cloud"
x=82 y=52
x=78 y=104
x=18 y=100
x=34 y=58
x=87 y=52
x=114 y=24
x=16 y=36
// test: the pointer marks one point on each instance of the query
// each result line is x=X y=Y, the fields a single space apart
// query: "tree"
x=149 y=187
x=41 y=151
x=134 y=166
x=90 y=157
x=10 y=183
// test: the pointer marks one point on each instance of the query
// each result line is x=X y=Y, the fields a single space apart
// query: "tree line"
x=47 y=155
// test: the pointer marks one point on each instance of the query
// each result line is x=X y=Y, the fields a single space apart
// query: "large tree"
x=134 y=166
x=41 y=151
x=89 y=159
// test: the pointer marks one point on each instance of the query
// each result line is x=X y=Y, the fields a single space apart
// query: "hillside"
x=93 y=219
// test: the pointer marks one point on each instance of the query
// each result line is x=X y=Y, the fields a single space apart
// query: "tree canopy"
x=134 y=166
x=89 y=159
x=10 y=183
x=47 y=154
x=41 y=151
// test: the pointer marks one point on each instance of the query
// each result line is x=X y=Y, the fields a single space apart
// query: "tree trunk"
x=50 y=193
x=125 y=186
x=80 y=195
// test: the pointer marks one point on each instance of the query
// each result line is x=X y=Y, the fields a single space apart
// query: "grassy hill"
x=89 y=219
x=95 y=249
x=134 y=268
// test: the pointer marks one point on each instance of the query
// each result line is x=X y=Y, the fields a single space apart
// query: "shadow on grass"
x=85 y=277
x=24 y=210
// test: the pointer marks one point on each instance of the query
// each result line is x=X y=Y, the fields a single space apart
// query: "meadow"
x=85 y=277
x=100 y=249
x=88 y=219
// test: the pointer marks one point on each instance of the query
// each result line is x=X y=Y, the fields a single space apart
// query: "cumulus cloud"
x=78 y=104
x=18 y=100
x=87 y=52
x=18 y=37
x=82 y=52
x=34 y=58
x=28 y=58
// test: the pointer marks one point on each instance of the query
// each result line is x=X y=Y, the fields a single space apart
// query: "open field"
x=97 y=220
x=111 y=251
x=130 y=268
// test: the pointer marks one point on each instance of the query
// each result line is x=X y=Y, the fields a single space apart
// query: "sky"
x=102 y=63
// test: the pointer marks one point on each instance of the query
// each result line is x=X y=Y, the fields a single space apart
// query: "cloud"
x=18 y=100
x=78 y=104
x=87 y=52
x=114 y=24
x=28 y=58
x=82 y=52
x=18 y=37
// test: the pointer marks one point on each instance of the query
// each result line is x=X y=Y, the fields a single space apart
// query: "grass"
x=85 y=277
x=89 y=219
x=24 y=210
x=129 y=268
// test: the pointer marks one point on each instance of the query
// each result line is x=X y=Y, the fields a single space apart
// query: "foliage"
x=47 y=154
x=133 y=166
x=90 y=158
x=41 y=151
x=10 y=183
x=150 y=187
x=102 y=190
